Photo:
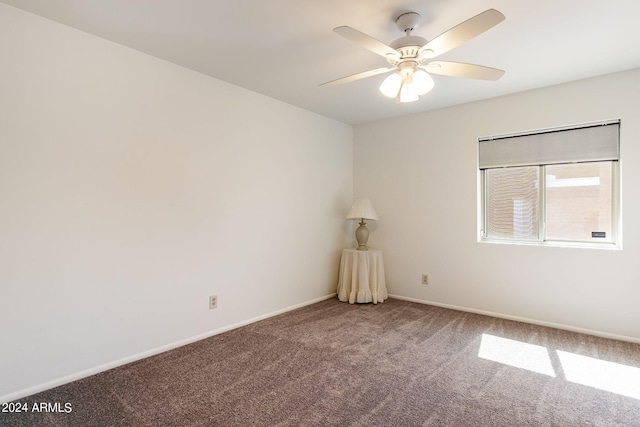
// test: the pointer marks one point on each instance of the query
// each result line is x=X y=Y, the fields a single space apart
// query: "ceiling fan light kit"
x=409 y=56
x=407 y=84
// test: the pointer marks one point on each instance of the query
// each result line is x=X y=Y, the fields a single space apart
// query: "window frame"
x=542 y=240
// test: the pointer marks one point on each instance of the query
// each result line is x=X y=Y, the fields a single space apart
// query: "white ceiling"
x=285 y=48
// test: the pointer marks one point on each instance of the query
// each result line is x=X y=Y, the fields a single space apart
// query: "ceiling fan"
x=410 y=56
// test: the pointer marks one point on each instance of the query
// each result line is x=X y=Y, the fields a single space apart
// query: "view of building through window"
x=578 y=201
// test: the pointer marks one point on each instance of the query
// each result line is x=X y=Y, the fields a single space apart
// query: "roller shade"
x=590 y=143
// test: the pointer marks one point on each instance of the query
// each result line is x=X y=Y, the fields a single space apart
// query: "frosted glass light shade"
x=362 y=209
x=408 y=92
x=391 y=85
x=422 y=82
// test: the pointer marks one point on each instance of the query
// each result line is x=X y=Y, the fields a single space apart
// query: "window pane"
x=578 y=202
x=512 y=202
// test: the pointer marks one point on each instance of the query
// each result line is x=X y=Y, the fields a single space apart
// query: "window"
x=555 y=186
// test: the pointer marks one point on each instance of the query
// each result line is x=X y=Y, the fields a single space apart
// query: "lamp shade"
x=362 y=209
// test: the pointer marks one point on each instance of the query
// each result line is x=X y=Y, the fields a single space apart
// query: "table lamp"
x=362 y=209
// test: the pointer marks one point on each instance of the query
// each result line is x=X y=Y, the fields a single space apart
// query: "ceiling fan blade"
x=367 y=42
x=460 y=69
x=358 y=76
x=462 y=32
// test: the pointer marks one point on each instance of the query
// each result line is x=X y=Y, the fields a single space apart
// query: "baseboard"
x=105 y=367
x=522 y=319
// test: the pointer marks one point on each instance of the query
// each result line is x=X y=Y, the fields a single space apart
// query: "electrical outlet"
x=213 y=302
x=425 y=279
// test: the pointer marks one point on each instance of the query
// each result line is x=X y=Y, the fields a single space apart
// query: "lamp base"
x=362 y=235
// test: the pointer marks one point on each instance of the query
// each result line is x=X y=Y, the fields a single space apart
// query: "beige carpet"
x=392 y=364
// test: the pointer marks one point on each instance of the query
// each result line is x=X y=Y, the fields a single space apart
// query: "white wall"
x=131 y=189
x=420 y=172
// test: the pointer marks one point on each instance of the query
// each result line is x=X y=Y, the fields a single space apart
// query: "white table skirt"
x=362 y=277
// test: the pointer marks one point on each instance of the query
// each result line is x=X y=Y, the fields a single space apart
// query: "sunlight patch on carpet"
x=518 y=354
x=608 y=376
x=601 y=374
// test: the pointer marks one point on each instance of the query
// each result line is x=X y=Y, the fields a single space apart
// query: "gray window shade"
x=585 y=144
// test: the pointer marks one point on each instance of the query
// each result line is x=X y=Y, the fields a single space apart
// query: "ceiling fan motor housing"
x=408 y=46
